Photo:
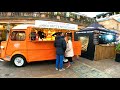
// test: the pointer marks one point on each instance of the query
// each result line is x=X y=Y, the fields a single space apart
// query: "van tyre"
x=19 y=61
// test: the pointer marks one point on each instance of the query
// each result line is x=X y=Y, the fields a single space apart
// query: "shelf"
x=42 y=41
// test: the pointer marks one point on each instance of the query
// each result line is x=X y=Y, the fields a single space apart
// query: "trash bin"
x=117 y=58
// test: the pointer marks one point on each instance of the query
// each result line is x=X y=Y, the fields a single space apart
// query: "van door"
x=16 y=43
x=41 y=50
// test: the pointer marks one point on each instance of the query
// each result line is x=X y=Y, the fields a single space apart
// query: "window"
x=18 y=36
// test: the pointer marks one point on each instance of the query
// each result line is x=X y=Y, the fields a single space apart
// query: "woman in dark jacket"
x=60 y=45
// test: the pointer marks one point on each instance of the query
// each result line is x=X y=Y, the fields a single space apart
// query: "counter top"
x=106 y=45
x=40 y=41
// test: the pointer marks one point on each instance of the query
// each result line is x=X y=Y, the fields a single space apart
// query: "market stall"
x=36 y=42
x=97 y=42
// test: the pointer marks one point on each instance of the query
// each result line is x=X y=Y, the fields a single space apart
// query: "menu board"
x=84 y=40
x=96 y=39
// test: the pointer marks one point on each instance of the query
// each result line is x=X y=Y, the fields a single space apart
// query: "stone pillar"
x=8 y=29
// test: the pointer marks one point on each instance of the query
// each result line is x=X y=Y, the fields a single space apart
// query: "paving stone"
x=82 y=68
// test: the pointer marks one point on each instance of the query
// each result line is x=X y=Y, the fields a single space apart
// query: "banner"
x=57 y=25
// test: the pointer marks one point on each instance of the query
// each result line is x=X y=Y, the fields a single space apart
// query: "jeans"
x=59 y=61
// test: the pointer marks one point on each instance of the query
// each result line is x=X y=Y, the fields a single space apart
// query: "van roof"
x=23 y=26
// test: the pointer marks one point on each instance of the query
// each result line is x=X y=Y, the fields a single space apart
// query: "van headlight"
x=2 y=47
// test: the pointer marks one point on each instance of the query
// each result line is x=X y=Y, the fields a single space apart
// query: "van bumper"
x=5 y=59
x=1 y=59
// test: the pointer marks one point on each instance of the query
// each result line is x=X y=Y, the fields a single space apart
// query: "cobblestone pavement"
x=82 y=68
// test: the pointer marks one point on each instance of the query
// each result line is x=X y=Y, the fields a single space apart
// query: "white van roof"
x=23 y=26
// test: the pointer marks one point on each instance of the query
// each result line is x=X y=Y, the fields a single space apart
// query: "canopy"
x=95 y=26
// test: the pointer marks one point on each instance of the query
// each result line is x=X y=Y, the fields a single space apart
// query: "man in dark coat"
x=41 y=34
x=60 y=45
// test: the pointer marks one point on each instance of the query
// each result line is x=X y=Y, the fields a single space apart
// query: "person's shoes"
x=68 y=66
x=61 y=69
x=56 y=68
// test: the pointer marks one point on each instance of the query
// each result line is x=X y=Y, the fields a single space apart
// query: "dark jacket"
x=60 y=45
x=41 y=34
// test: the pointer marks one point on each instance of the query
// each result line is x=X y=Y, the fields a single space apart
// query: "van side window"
x=18 y=36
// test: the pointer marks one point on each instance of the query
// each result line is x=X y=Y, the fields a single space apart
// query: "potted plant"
x=117 y=57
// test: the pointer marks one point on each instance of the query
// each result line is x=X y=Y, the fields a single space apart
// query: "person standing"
x=60 y=45
x=69 y=52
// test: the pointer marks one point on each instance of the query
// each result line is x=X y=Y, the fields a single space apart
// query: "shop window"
x=42 y=35
x=37 y=34
x=18 y=36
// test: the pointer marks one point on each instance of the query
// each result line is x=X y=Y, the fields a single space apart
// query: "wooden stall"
x=97 y=42
x=104 y=52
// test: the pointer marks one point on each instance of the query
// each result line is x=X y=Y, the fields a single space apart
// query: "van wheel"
x=19 y=61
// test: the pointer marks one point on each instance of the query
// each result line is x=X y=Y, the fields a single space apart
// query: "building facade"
x=11 y=19
x=111 y=24
x=110 y=20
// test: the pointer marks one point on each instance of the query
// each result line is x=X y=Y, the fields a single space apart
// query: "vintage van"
x=25 y=45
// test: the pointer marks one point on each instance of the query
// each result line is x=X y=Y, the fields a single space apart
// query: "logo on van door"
x=17 y=45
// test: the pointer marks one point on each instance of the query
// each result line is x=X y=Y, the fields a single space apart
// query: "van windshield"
x=18 y=36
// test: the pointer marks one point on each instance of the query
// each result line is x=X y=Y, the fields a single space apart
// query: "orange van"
x=25 y=44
